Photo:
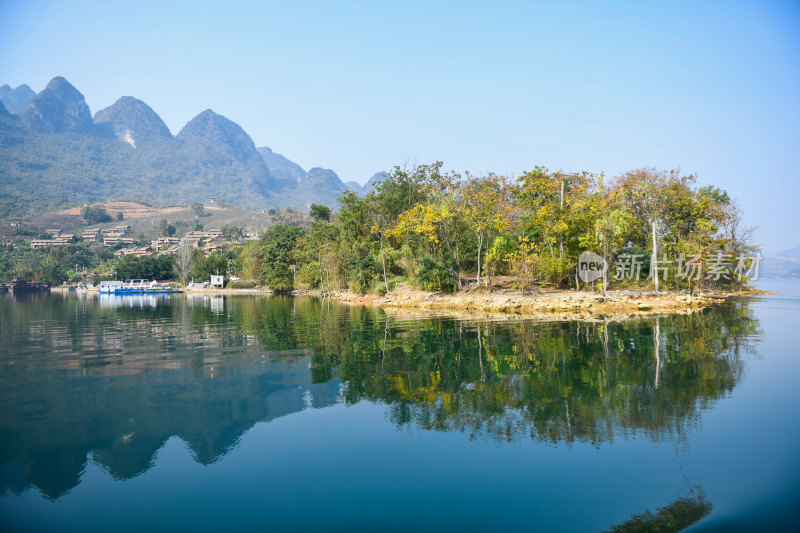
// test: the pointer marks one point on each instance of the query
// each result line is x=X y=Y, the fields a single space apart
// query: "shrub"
x=242 y=284
x=437 y=276
x=363 y=273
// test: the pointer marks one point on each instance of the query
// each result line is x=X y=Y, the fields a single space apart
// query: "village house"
x=207 y=234
x=112 y=240
x=37 y=244
x=138 y=251
x=164 y=242
x=60 y=240
x=120 y=231
x=91 y=235
x=212 y=237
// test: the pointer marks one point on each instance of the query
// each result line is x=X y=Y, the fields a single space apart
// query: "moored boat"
x=135 y=286
x=19 y=285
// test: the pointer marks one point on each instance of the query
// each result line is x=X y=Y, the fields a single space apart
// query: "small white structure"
x=217 y=282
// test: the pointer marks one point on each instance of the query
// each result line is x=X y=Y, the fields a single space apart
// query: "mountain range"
x=55 y=154
x=784 y=264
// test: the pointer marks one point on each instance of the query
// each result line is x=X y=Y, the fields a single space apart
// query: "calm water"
x=243 y=413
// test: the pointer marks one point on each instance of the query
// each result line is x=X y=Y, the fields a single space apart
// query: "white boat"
x=109 y=287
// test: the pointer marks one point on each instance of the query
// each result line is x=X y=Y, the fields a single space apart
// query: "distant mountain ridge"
x=54 y=154
x=133 y=121
x=59 y=107
x=280 y=167
x=785 y=264
x=16 y=99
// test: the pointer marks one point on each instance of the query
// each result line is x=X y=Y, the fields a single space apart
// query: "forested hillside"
x=54 y=154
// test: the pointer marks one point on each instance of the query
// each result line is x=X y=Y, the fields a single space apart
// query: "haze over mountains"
x=54 y=154
x=16 y=99
x=783 y=264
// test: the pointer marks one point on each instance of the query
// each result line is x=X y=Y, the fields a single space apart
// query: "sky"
x=711 y=88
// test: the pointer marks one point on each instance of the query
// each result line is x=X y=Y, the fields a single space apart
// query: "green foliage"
x=242 y=284
x=277 y=262
x=364 y=273
x=214 y=264
x=22 y=230
x=553 y=269
x=499 y=254
x=674 y=517
x=437 y=276
x=231 y=231
x=147 y=267
x=51 y=266
x=95 y=214
x=320 y=213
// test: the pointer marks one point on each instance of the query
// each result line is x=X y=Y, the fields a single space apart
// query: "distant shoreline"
x=550 y=305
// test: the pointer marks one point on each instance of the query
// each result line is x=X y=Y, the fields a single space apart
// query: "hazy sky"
x=711 y=88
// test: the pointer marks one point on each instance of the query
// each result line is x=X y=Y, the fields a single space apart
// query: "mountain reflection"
x=117 y=377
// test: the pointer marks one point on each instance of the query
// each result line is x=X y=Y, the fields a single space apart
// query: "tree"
x=320 y=213
x=167 y=229
x=95 y=214
x=231 y=231
x=277 y=267
x=321 y=236
x=146 y=267
x=609 y=229
x=648 y=193
x=380 y=225
x=214 y=264
x=184 y=260
x=486 y=209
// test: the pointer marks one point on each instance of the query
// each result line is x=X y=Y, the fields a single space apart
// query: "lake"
x=211 y=413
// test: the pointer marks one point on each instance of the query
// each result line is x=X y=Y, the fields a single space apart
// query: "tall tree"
x=277 y=267
x=648 y=193
x=184 y=261
x=486 y=209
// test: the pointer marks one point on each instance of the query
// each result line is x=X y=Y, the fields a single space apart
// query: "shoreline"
x=547 y=305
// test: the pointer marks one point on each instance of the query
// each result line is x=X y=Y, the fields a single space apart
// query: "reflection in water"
x=113 y=301
x=674 y=517
x=116 y=378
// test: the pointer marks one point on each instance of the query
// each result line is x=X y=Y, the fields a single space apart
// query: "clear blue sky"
x=709 y=87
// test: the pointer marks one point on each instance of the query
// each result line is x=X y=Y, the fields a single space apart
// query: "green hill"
x=54 y=155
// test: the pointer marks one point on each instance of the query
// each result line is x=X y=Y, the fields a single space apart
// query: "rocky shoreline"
x=545 y=305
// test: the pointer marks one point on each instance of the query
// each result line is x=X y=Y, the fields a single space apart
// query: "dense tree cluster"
x=443 y=231
x=95 y=214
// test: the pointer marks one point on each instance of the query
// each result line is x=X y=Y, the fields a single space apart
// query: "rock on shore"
x=549 y=305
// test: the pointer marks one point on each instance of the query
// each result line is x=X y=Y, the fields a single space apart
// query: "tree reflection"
x=79 y=379
x=551 y=382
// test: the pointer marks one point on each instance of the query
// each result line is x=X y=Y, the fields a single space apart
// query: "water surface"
x=249 y=413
